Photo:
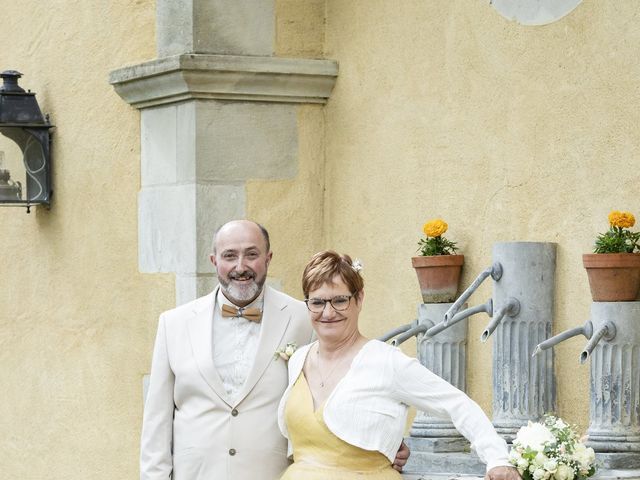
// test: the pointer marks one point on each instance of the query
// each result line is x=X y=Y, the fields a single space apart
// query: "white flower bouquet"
x=551 y=450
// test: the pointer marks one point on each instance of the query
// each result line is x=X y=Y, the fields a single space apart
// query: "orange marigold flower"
x=621 y=219
x=435 y=228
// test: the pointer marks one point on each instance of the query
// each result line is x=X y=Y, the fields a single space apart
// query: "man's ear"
x=269 y=257
x=212 y=258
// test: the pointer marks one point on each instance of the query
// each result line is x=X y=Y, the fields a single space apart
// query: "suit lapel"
x=200 y=332
x=275 y=320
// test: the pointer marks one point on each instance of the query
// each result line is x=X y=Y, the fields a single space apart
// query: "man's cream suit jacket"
x=191 y=429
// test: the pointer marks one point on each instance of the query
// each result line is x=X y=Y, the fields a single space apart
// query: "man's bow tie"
x=252 y=314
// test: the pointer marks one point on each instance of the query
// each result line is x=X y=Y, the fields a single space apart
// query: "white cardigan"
x=368 y=407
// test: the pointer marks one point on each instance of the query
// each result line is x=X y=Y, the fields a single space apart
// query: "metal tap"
x=510 y=309
x=495 y=271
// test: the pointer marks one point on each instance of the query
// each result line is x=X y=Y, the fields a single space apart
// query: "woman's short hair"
x=324 y=266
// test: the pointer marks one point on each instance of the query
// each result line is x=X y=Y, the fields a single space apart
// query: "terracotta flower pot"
x=613 y=277
x=438 y=276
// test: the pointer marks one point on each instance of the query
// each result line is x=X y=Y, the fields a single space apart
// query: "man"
x=216 y=381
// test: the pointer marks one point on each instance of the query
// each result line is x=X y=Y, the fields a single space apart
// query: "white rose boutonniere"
x=286 y=351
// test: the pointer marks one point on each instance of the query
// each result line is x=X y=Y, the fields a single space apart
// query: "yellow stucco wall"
x=508 y=132
x=78 y=320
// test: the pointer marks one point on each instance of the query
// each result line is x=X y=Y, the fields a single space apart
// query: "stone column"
x=436 y=446
x=445 y=354
x=523 y=387
x=216 y=110
x=614 y=428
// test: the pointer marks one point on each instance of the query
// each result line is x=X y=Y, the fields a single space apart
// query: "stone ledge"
x=435 y=464
x=225 y=77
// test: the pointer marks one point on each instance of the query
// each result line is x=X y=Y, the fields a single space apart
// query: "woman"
x=345 y=408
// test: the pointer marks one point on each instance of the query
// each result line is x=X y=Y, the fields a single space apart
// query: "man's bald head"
x=235 y=225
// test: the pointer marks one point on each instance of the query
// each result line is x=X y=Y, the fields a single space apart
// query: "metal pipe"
x=408 y=334
x=396 y=331
x=586 y=330
x=495 y=271
x=458 y=317
x=607 y=331
x=511 y=309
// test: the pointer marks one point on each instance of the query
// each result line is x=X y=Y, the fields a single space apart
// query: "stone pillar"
x=216 y=110
x=227 y=27
x=445 y=354
x=614 y=428
x=436 y=446
x=523 y=387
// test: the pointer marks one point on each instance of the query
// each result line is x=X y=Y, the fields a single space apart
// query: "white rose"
x=522 y=464
x=550 y=465
x=563 y=473
x=289 y=349
x=584 y=456
x=535 y=436
x=540 y=459
x=560 y=424
x=538 y=474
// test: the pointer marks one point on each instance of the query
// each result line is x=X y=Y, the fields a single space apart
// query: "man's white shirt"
x=235 y=343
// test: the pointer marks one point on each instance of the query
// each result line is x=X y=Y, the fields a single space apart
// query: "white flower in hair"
x=357 y=265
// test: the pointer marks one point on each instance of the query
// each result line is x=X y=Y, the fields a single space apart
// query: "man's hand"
x=402 y=456
x=503 y=473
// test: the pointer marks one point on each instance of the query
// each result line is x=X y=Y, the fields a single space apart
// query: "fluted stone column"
x=445 y=354
x=523 y=387
x=436 y=446
x=614 y=428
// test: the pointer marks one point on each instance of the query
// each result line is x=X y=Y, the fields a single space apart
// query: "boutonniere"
x=286 y=351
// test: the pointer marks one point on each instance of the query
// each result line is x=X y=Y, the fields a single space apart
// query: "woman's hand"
x=401 y=457
x=503 y=473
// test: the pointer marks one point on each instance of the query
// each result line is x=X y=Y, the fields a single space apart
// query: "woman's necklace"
x=324 y=379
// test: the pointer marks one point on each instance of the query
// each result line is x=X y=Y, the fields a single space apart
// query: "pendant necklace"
x=323 y=379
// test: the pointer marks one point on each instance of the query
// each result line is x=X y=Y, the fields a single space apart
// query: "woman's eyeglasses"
x=339 y=303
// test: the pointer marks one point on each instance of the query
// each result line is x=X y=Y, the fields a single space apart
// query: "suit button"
x=232 y=451
x=234 y=412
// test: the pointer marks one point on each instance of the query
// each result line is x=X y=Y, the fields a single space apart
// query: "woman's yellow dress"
x=318 y=454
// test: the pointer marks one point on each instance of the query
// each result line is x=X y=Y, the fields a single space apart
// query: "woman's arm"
x=418 y=386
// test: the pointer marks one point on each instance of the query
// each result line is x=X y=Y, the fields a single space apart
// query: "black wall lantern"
x=25 y=161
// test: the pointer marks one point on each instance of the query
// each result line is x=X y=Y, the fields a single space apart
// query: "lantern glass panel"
x=23 y=171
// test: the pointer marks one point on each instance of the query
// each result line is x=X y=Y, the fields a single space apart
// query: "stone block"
x=442 y=463
x=231 y=27
x=240 y=141
x=168 y=144
x=619 y=461
x=439 y=444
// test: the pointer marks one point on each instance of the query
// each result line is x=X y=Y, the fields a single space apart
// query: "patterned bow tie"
x=252 y=314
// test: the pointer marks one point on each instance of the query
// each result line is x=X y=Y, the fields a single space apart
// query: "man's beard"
x=241 y=293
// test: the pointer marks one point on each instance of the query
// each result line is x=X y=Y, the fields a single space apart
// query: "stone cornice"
x=225 y=77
